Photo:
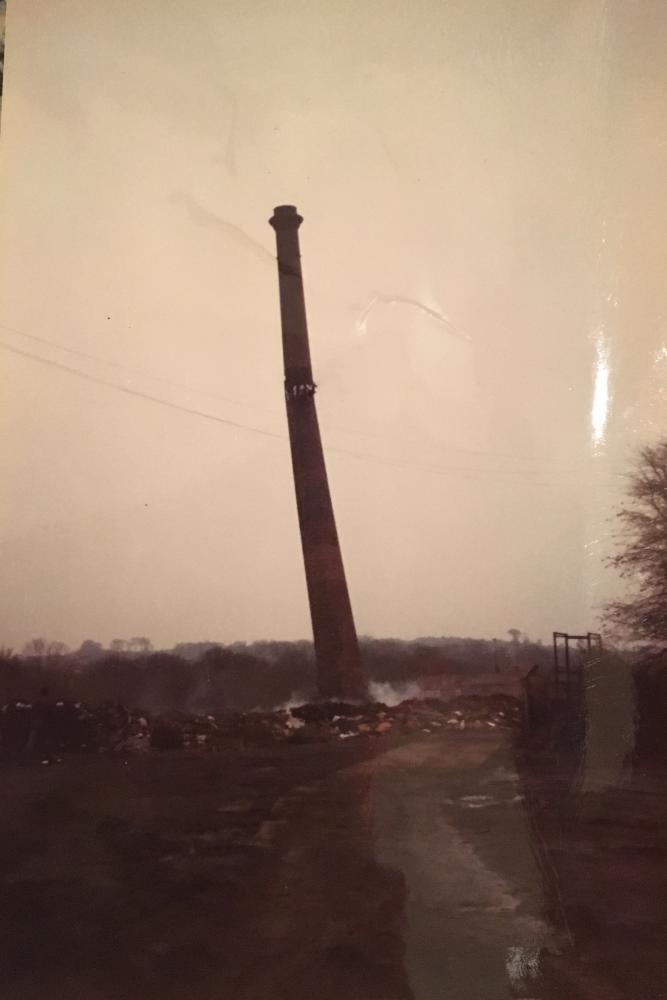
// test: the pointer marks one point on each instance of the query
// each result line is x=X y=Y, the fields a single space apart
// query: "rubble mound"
x=166 y=734
x=113 y=728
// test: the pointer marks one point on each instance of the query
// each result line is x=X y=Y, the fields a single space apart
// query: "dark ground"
x=601 y=841
x=379 y=869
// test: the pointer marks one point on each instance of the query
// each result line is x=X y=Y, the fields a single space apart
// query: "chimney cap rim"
x=285 y=216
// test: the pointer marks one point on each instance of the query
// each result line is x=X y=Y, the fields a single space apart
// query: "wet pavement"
x=411 y=875
x=451 y=819
x=395 y=869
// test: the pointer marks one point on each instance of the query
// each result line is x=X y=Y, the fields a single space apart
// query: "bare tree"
x=45 y=647
x=90 y=649
x=57 y=648
x=140 y=644
x=642 y=556
x=36 y=647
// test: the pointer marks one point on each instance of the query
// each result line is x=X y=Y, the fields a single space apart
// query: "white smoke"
x=295 y=700
x=394 y=694
x=381 y=691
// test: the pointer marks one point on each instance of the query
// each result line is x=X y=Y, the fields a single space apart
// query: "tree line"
x=246 y=675
x=211 y=676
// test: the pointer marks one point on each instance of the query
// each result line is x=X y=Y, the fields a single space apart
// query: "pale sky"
x=484 y=191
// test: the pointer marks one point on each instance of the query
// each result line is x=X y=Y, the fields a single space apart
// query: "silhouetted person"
x=536 y=687
x=41 y=735
x=15 y=728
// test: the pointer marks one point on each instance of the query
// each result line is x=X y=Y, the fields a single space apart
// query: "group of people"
x=45 y=728
x=28 y=728
x=295 y=391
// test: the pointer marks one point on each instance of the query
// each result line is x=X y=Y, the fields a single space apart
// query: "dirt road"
x=373 y=870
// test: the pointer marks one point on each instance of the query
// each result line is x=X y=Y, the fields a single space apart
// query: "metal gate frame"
x=568 y=678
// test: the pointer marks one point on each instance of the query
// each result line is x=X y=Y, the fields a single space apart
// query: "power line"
x=235 y=402
x=192 y=411
x=404 y=463
x=137 y=392
x=134 y=371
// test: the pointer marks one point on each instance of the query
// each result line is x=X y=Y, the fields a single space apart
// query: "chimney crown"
x=285 y=217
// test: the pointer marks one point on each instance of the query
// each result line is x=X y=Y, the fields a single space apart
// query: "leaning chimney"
x=339 y=670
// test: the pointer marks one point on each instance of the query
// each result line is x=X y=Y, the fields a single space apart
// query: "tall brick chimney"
x=339 y=670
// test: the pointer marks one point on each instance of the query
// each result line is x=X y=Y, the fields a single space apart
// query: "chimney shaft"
x=339 y=668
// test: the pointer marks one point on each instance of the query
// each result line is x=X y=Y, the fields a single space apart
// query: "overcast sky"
x=484 y=245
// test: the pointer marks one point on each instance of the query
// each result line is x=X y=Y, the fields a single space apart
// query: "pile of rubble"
x=113 y=728
x=325 y=721
x=344 y=721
